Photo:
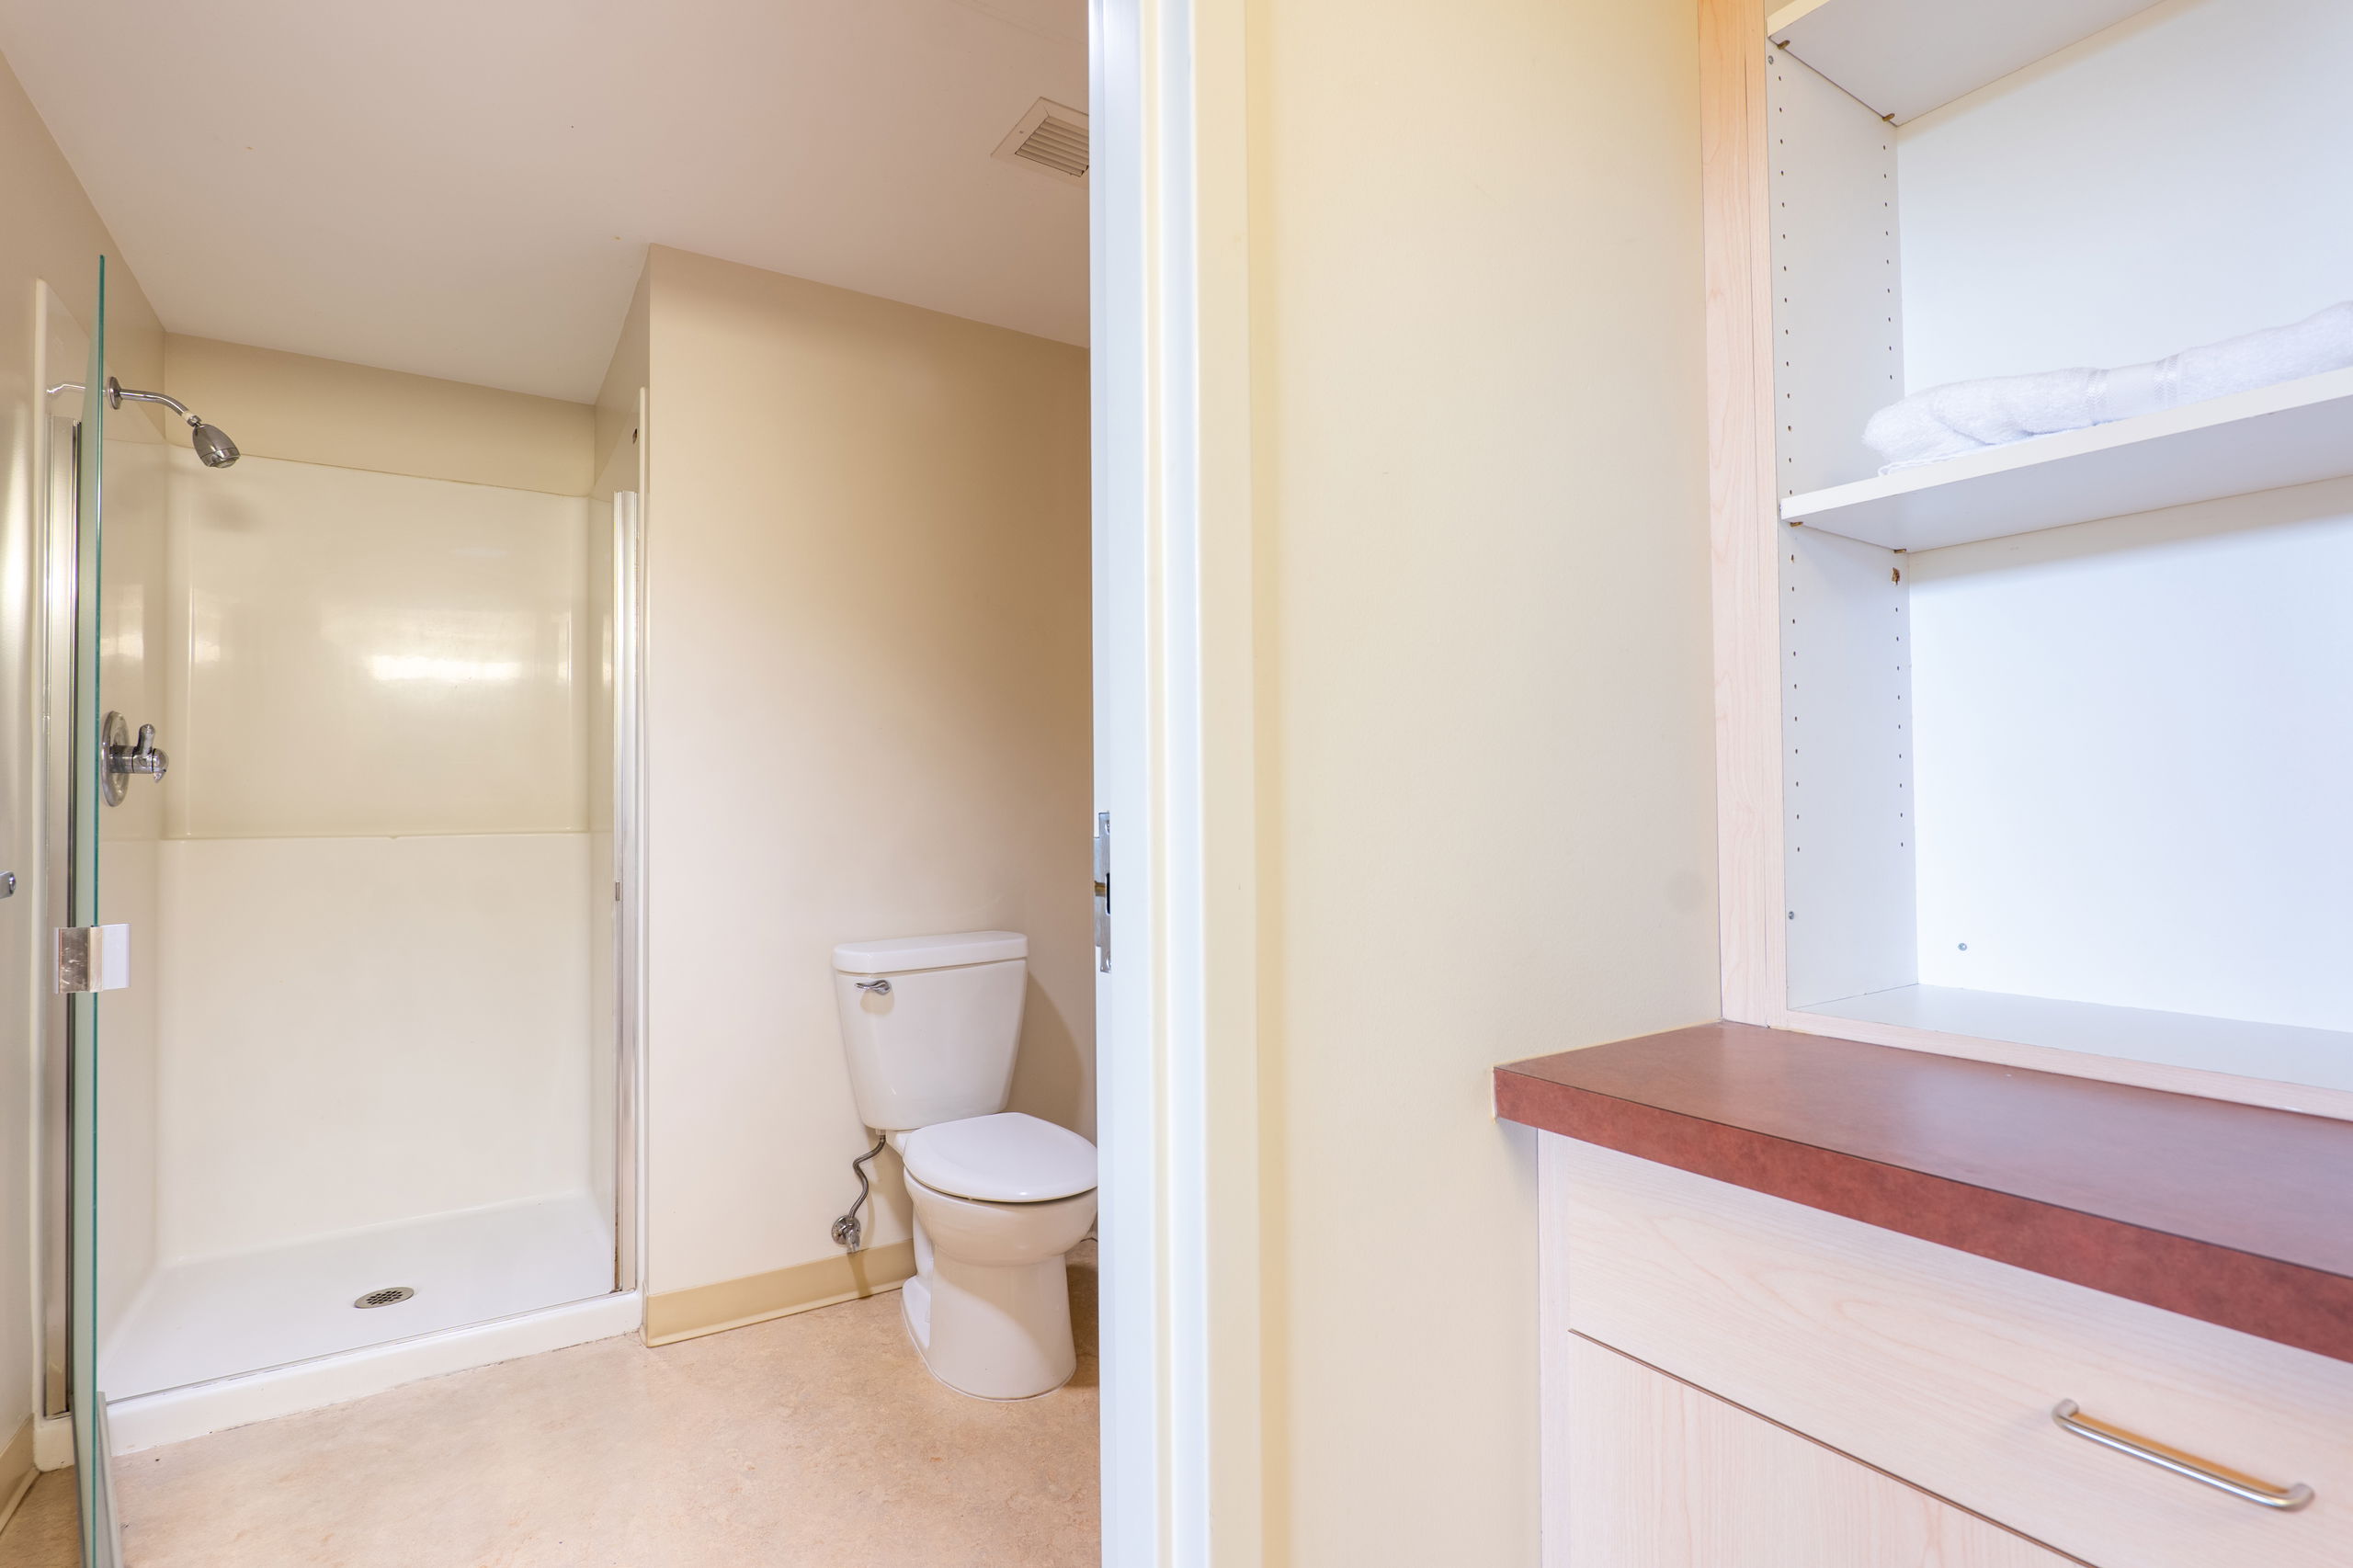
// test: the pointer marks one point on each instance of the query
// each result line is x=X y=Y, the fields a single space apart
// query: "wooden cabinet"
x=2014 y=765
x=1920 y=1362
x=1659 y=1474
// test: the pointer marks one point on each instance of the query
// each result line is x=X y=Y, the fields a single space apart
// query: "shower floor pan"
x=218 y=1317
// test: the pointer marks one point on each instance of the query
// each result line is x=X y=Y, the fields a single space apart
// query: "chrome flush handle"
x=2072 y=1419
x=877 y=987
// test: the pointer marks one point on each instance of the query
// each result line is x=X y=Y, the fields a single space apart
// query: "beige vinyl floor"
x=41 y=1534
x=815 y=1440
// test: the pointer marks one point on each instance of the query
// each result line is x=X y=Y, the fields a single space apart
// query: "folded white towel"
x=1968 y=417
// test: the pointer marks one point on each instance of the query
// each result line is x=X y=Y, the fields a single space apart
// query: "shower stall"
x=341 y=770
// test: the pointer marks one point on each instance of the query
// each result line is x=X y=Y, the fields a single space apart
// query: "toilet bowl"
x=930 y=1025
x=989 y=1307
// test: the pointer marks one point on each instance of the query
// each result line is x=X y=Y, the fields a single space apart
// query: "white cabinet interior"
x=1903 y=58
x=2065 y=724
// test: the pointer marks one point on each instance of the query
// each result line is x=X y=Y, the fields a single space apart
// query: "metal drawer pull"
x=2071 y=1418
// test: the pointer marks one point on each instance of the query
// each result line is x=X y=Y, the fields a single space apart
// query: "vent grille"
x=1057 y=144
x=1050 y=139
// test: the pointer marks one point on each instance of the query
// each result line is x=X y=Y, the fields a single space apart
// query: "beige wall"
x=1485 y=726
x=617 y=399
x=275 y=404
x=50 y=233
x=867 y=716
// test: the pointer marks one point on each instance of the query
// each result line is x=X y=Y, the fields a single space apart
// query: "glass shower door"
x=87 y=952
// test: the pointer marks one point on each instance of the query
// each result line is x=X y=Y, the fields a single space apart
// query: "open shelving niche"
x=1842 y=75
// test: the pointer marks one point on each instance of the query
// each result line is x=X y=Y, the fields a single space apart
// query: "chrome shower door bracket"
x=93 y=958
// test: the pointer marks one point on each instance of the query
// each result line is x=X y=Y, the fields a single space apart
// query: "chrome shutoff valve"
x=123 y=759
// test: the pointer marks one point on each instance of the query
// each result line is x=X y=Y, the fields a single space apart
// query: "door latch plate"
x=1103 y=891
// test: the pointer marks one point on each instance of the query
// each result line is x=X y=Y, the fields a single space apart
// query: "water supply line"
x=849 y=1231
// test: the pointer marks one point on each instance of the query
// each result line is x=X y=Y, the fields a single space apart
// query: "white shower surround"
x=371 y=997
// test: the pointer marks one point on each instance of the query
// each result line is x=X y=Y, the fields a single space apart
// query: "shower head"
x=213 y=445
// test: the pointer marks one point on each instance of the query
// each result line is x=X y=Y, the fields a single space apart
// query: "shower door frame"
x=58 y=567
x=66 y=542
x=629 y=865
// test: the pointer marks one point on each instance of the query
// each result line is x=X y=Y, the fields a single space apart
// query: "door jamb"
x=1174 y=722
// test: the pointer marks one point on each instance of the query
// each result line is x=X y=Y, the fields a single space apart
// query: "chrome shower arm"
x=117 y=394
x=213 y=445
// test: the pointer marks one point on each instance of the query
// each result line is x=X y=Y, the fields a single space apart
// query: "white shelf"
x=2283 y=1053
x=2295 y=433
x=1903 y=58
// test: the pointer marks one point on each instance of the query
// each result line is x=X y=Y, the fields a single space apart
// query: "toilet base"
x=1001 y=1334
x=993 y=1331
x=989 y=1307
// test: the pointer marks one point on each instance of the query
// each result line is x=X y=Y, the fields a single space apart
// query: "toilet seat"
x=1004 y=1158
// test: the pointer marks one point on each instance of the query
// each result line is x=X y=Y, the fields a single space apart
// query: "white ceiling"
x=466 y=187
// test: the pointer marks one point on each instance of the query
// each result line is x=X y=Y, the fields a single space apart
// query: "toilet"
x=930 y=1026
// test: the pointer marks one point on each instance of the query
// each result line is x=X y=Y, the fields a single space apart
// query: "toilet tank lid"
x=1004 y=1158
x=897 y=955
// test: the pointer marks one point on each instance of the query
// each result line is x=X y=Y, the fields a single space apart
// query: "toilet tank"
x=935 y=1040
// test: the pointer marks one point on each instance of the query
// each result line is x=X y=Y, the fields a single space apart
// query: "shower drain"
x=386 y=1297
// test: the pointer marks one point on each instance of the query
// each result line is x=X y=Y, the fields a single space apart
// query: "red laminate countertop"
x=2233 y=1214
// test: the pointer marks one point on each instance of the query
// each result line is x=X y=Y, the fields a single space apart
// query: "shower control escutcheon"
x=120 y=758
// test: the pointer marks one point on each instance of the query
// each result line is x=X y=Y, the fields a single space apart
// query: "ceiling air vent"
x=1050 y=141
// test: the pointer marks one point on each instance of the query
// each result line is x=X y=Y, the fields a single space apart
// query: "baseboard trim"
x=17 y=1470
x=674 y=1315
x=174 y=1415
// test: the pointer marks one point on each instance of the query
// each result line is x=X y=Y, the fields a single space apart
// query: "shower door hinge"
x=1103 y=891
x=93 y=958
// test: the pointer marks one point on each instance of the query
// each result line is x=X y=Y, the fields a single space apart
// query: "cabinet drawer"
x=1661 y=1475
x=1942 y=1368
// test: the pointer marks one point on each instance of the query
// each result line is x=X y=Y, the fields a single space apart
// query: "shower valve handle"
x=143 y=758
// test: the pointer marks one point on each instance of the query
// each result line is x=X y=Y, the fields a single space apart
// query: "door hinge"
x=93 y=958
x=1103 y=891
